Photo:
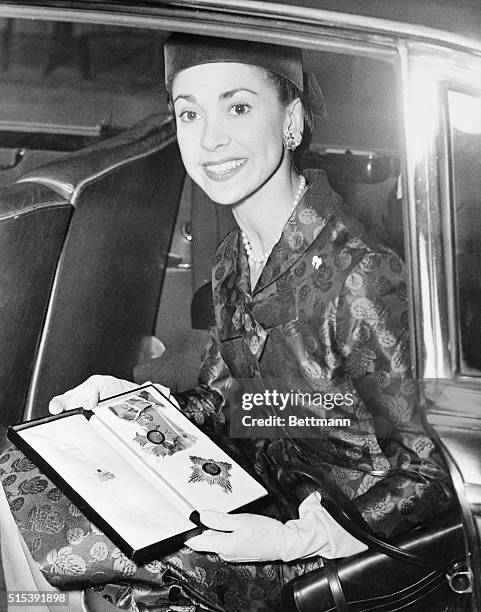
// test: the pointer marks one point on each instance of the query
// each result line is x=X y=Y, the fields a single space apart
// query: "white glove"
x=88 y=394
x=252 y=537
x=340 y=542
x=258 y=538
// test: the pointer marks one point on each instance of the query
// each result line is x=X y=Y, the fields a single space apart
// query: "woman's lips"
x=223 y=171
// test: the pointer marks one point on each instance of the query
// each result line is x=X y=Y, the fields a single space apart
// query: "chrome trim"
x=336 y=19
x=466 y=378
x=348 y=20
x=458 y=570
x=33 y=208
x=409 y=221
x=453 y=82
x=28 y=408
x=64 y=189
x=448 y=220
x=426 y=228
x=201 y=18
x=469 y=523
x=186 y=231
x=19 y=154
x=323 y=148
x=433 y=216
x=453 y=418
x=473 y=495
x=208 y=24
x=49 y=128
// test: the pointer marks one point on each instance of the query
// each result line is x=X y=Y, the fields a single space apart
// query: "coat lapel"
x=307 y=221
x=240 y=314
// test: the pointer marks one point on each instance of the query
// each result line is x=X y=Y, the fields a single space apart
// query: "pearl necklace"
x=247 y=245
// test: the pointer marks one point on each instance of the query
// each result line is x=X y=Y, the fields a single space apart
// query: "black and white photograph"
x=240 y=286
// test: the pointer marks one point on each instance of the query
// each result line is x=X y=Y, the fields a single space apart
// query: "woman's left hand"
x=240 y=537
x=243 y=538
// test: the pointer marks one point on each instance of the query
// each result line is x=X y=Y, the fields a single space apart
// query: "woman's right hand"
x=89 y=393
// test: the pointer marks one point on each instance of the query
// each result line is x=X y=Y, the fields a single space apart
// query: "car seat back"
x=125 y=193
x=33 y=224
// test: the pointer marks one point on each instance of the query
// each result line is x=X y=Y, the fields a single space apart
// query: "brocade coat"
x=335 y=323
x=328 y=314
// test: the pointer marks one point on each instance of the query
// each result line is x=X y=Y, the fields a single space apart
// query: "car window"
x=66 y=86
x=465 y=136
x=78 y=77
x=359 y=137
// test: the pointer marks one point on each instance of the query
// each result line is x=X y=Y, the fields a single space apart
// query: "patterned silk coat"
x=328 y=314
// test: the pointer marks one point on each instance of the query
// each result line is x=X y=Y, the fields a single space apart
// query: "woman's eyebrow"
x=187 y=97
x=228 y=94
x=223 y=96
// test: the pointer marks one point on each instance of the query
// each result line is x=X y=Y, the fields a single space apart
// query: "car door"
x=443 y=136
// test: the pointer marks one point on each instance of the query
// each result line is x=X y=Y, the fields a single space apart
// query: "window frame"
x=460 y=370
x=426 y=71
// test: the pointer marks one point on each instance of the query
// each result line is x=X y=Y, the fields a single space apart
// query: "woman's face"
x=229 y=128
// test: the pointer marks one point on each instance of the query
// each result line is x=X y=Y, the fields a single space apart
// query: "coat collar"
x=306 y=222
x=304 y=225
x=233 y=297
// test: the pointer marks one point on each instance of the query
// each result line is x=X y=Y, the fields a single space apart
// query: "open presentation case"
x=137 y=468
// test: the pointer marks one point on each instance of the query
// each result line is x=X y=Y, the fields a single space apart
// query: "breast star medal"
x=212 y=472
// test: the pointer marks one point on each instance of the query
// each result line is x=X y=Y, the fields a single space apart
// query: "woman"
x=304 y=302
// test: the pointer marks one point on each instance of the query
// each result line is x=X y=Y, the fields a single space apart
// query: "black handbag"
x=419 y=571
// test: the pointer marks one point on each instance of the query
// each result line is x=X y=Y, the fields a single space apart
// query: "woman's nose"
x=214 y=135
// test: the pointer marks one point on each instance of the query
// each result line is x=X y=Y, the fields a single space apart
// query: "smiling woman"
x=231 y=119
x=230 y=134
x=304 y=300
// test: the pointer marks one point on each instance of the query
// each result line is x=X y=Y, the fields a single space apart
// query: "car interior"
x=107 y=244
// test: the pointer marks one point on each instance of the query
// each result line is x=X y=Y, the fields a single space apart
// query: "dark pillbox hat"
x=182 y=51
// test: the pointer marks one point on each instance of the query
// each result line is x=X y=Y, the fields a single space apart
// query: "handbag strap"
x=343 y=511
x=335 y=585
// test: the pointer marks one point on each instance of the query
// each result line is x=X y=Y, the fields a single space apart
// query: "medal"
x=104 y=475
x=212 y=472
